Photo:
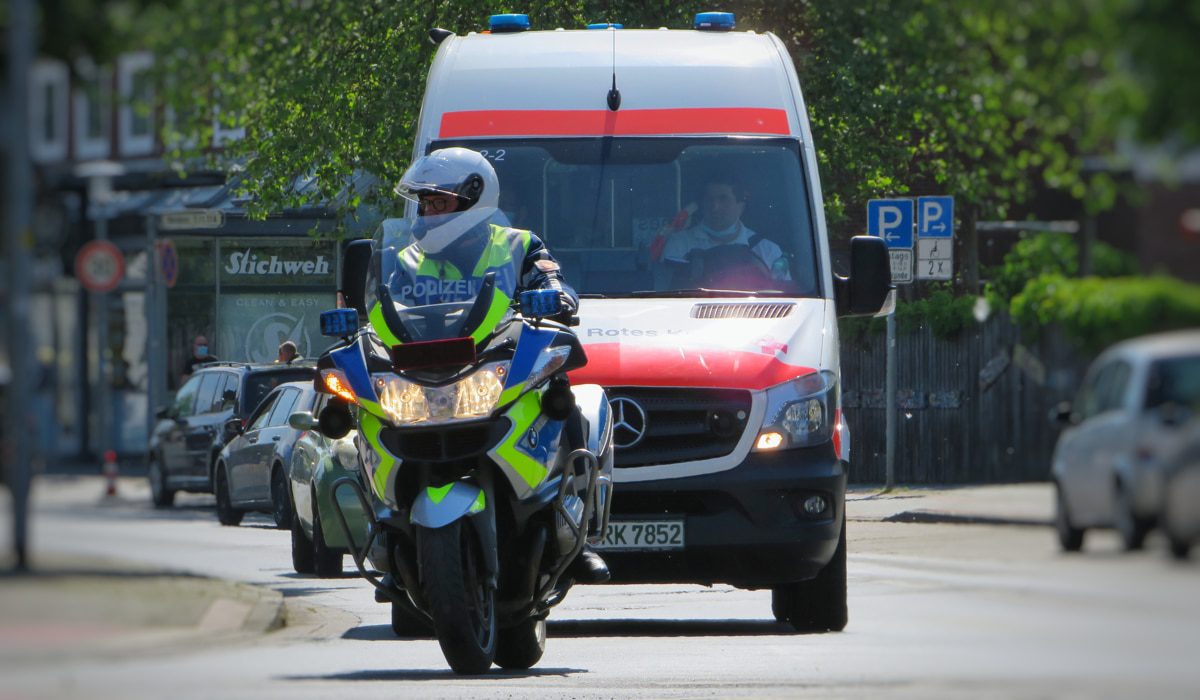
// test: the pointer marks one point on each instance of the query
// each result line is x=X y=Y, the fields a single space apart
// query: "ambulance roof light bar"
x=504 y=24
x=605 y=25
x=714 y=22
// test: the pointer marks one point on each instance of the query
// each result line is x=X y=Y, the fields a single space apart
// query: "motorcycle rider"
x=458 y=240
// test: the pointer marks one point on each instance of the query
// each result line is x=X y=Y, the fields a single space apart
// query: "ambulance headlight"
x=409 y=403
x=801 y=410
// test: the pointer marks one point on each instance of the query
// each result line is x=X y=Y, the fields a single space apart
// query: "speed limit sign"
x=99 y=266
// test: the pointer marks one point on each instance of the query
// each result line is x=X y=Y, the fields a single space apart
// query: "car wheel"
x=162 y=496
x=1133 y=530
x=302 y=549
x=327 y=561
x=226 y=513
x=1070 y=538
x=281 y=498
x=819 y=604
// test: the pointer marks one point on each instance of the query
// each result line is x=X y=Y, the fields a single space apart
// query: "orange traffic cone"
x=110 y=473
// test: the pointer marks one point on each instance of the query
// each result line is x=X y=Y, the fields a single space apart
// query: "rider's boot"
x=589 y=567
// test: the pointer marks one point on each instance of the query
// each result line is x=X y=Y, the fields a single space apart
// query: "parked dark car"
x=192 y=430
x=252 y=469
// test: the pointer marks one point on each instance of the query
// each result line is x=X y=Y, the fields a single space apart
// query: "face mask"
x=723 y=235
x=201 y=350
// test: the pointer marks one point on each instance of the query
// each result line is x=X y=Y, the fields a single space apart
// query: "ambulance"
x=673 y=175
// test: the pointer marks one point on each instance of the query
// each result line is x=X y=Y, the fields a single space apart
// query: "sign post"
x=893 y=220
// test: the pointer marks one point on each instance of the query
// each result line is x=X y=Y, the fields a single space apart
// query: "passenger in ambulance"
x=719 y=250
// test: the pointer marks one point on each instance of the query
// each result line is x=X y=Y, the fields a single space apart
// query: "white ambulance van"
x=674 y=177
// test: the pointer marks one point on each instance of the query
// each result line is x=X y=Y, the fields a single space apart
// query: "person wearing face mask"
x=199 y=356
x=720 y=224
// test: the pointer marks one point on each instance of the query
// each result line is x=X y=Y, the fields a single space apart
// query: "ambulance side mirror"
x=866 y=290
x=356 y=265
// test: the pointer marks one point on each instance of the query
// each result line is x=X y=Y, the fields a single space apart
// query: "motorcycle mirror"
x=335 y=421
x=538 y=303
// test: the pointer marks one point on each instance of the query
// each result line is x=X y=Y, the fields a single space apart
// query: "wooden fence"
x=972 y=410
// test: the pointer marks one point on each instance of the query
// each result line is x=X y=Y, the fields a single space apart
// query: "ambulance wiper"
x=711 y=293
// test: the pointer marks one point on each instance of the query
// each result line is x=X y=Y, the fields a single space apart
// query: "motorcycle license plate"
x=643 y=535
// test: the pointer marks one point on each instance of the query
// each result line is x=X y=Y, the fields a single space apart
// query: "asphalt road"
x=936 y=611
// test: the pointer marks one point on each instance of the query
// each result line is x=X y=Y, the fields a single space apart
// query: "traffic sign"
x=935 y=259
x=168 y=262
x=191 y=219
x=891 y=220
x=935 y=217
x=99 y=266
x=902 y=265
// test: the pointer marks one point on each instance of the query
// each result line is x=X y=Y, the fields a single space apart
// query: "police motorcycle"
x=484 y=473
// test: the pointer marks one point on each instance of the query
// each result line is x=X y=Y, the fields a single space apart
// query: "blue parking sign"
x=935 y=217
x=891 y=220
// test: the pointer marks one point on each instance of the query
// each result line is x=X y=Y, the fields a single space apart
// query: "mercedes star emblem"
x=630 y=425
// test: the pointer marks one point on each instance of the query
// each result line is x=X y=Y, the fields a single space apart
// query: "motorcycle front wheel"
x=454 y=580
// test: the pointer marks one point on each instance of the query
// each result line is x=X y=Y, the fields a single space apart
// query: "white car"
x=1180 y=518
x=1132 y=409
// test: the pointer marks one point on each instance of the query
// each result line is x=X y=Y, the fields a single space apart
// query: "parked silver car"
x=1132 y=408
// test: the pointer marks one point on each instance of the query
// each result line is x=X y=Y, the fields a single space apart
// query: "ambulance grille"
x=680 y=425
x=761 y=310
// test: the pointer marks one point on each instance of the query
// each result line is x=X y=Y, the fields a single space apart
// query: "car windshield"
x=1174 y=381
x=625 y=215
x=259 y=384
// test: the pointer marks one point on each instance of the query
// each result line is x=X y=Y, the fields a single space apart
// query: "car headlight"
x=800 y=412
x=474 y=396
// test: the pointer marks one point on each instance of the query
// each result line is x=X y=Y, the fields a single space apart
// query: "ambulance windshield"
x=657 y=215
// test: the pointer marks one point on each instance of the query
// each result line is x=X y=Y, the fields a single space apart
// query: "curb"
x=927 y=516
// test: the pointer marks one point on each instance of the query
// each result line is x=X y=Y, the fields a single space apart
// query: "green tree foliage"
x=989 y=101
x=1096 y=312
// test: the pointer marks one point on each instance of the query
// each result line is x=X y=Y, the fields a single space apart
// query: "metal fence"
x=974 y=409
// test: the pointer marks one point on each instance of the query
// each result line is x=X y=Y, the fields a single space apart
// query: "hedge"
x=1096 y=312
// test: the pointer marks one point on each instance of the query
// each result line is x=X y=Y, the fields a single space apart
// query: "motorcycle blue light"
x=539 y=303
x=501 y=24
x=339 y=323
x=714 y=21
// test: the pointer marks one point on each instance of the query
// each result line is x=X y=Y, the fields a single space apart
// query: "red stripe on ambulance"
x=612 y=364
x=603 y=122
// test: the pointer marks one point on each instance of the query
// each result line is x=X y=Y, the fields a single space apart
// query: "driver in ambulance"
x=721 y=224
x=457 y=242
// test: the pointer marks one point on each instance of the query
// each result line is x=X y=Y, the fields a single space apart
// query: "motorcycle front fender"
x=438 y=506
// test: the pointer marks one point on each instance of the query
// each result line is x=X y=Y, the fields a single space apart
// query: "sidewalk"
x=1029 y=504
x=79 y=607
x=98 y=610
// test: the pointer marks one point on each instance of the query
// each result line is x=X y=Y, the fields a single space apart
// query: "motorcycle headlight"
x=474 y=396
x=800 y=412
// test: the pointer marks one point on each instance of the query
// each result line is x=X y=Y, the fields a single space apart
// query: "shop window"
x=135 y=89
x=92 y=110
x=48 y=83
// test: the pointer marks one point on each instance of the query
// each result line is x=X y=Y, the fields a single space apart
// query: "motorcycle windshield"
x=451 y=294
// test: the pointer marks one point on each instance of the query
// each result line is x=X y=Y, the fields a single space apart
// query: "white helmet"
x=458 y=172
